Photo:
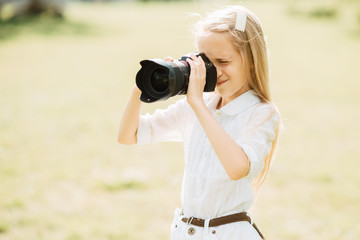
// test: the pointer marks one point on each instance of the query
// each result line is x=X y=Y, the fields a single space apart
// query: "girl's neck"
x=223 y=101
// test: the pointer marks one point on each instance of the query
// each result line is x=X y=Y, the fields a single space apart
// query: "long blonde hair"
x=251 y=45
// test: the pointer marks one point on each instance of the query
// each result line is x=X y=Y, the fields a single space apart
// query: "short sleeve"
x=257 y=136
x=165 y=125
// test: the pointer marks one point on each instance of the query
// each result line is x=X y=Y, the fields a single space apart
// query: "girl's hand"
x=197 y=80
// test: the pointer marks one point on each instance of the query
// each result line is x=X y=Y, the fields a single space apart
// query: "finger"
x=169 y=59
x=202 y=67
x=193 y=57
x=202 y=63
x=192 y=66
x=191 y=61
x=201 y=60
x=198 y=73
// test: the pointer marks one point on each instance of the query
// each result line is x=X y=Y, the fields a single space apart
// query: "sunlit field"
x=64 y=84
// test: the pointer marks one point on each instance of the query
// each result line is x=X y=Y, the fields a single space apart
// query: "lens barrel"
x=158 y=79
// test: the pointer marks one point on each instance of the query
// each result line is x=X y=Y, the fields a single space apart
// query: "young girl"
x=229 y=136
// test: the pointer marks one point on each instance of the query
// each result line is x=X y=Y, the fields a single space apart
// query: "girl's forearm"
x=230 y=154
x=130 y=119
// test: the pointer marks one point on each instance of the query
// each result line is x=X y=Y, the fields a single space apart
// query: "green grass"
x=63 y=176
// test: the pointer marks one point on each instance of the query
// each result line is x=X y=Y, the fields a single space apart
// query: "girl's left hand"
x=197 y=80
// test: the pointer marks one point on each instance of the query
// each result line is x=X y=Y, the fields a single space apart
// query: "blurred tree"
x=18 y=8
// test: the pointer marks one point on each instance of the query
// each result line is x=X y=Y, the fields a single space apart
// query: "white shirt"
x=207 y=191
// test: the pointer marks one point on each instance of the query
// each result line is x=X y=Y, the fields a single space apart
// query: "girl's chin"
x=222 y=92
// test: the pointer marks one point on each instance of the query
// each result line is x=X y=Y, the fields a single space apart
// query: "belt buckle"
x=190 y=219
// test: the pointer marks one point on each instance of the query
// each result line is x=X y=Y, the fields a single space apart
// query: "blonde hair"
x=251 y=45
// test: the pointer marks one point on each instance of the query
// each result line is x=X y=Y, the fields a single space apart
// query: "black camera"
x=159 y=79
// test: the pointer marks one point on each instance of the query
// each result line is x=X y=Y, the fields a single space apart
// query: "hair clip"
x=240 y=21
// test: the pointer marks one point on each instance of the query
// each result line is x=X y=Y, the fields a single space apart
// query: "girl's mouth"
x=221 y=82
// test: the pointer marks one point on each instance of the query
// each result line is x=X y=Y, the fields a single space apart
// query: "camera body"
x=159 y=79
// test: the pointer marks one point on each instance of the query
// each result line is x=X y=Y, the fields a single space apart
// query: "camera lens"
x=159 y=80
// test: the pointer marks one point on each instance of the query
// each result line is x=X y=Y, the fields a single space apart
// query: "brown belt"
x=237 y=217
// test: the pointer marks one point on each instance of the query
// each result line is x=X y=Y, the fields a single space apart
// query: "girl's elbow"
x=237 y=174
x=126 y=141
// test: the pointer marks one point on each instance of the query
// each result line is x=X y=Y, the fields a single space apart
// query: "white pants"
x=232 y=231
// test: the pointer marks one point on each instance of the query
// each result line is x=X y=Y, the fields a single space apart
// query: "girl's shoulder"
x=265 y=111
x=266 y=108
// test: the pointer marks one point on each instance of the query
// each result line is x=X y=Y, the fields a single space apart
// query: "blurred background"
x=67 y=69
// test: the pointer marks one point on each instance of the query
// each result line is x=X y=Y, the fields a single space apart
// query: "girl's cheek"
x=222 y=69
x=219 y=66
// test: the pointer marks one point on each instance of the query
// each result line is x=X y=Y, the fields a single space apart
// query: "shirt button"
x=213 y=232
x=191 y=231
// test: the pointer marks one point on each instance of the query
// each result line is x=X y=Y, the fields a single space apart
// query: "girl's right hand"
x=197 y=80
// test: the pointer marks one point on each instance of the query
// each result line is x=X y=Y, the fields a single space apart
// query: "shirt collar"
x=238 y=105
